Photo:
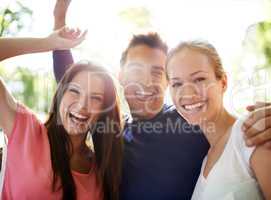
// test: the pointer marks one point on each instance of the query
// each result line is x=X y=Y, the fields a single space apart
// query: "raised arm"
x=61 y=58
x=9 y=47
x=8 y=107
x=258 y=131
x=261 y=165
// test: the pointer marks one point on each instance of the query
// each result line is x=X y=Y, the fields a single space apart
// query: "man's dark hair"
x=152 y=40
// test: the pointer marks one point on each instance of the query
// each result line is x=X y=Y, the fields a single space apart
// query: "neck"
x=78 y=143
x=215 y=129
x=147 y=116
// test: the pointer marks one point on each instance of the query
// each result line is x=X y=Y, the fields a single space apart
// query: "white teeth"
x=143 y=93
x=79 y=116
x=193 y=106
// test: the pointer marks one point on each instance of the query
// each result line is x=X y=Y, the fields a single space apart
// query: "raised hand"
x=258 y=105
x=66 y=38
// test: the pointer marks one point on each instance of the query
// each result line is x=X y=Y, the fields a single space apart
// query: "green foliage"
x=12 y=19
x=30 y=87
x=253 y=75
x=264 y=38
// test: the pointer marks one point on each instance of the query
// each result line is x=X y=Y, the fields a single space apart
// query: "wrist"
x=60 y=21
x=58 y=25
x=48 y=44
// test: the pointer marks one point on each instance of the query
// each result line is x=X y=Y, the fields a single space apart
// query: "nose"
x=188 y=91
x=147 y=78
x=83 y=103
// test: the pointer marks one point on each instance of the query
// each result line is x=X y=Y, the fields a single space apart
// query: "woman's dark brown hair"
x=106 y=138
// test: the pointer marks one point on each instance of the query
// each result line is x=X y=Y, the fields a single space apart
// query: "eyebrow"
x=175 y=79
x=200 y=71
x=97 y=93
x=72 y=84
x=194 y=73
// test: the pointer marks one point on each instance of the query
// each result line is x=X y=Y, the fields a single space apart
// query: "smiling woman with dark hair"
x=77 y=153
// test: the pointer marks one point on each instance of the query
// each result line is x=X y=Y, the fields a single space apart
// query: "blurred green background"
x=32 y=88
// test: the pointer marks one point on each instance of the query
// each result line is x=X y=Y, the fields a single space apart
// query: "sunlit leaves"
x=12 y=18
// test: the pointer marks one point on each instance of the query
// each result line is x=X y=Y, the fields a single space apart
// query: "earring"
x=90 y=143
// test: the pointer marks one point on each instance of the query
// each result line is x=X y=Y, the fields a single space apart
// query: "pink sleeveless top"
x=28 y=169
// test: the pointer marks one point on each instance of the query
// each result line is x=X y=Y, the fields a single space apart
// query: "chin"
x=191 y=119
x=73 y=132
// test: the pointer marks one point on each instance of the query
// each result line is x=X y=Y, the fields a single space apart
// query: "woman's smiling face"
x=195 y=90
x=82 y=102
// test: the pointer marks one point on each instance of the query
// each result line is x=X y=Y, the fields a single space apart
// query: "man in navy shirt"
x=163 y=154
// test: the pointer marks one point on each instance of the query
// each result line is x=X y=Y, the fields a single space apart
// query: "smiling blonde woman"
x=231 y=170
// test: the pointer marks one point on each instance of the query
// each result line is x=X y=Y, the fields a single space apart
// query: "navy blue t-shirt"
x=162 y=156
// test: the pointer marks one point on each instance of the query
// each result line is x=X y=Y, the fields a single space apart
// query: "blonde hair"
x=204 y=48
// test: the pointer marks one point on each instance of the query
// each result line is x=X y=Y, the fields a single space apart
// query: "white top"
x=231 y=178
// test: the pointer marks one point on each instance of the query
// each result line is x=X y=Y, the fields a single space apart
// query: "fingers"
x=66 y=38
x=260 y=138
x=257 y=106
x=256 y=116
x=75 y=33
x=258 y=127
x=85 y=34
x=70 y=33
x=81 y=38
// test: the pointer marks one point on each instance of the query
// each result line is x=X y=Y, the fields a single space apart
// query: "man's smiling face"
x=144 y=80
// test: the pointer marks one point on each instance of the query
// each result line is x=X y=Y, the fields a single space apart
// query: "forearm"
x=8 y=107
x=62 y=59
x=261 y=165
x=10 y=47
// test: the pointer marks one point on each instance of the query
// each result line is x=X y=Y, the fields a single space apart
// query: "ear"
x=224 y=82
